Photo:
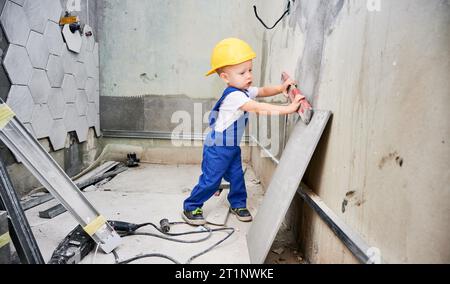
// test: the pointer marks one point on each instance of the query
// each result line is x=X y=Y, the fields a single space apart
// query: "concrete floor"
x=150 y=193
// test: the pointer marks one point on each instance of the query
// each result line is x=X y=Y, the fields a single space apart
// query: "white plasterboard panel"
x=284 y=184
x=90 y=40
x=73 y=40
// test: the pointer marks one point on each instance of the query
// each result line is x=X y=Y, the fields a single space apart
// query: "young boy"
x=232 y=60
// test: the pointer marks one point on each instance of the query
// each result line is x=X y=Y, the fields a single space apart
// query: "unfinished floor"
x=150 y=193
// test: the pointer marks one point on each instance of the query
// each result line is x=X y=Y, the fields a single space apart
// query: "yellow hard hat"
x=230 y=51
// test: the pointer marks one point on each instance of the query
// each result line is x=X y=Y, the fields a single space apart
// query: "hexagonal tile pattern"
x=42 y=121
x=82 y=102
x=54 y=39
x=73 y=40
x=68 y=62
x=37 y=50
x=56 y=103
x=36 y=15
x=55 y=71
x=58 y=135
x=80 y=75
x=21 y=102
x=15 y=23
x=91 y=88
x=40 y=87
x=18 y=65
x=82 y=129
x=71 y=117
x=69 y=88
x=54 y=9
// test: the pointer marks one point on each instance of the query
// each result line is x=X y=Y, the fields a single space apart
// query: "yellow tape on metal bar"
x=6 y=114
x=95 y=225
x=4 y=239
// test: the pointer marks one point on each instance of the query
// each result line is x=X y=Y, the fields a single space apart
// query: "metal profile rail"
x=54 y=179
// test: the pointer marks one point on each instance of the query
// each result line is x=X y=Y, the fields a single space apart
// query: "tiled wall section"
x=54 y=91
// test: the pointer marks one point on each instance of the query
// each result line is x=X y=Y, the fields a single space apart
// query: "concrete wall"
x=384 y=74
x=164 y=47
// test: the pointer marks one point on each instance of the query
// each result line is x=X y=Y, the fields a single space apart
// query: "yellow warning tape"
x=4 y=239
x=95 y=225
x=6 y=114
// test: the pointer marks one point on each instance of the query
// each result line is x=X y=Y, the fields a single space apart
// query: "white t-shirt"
x=230 y=111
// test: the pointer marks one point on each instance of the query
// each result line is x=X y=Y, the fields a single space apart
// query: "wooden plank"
x=283 y=187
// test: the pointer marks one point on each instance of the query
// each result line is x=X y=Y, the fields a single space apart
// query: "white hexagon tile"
x=21 y=102
x=56 y=103
x=58 y=134
x=17 y=31
x=41 y=121
x=55 y=71
x=18 y=65
x=69 y=87
x=37 y=50
x=40 y=87
x=36 y=14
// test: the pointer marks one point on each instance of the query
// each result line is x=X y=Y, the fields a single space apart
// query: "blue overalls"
x=221 y=159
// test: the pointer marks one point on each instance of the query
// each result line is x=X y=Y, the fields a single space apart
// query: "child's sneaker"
x=194 y=217
x=242 y=214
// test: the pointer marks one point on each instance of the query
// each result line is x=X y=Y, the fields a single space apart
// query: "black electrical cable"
x=264 y=24
x=136 y=227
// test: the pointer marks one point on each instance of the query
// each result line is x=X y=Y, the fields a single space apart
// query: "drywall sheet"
x=283 y=187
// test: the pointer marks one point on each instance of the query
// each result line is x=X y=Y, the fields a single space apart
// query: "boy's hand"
x=285 y=86
x=295 y=105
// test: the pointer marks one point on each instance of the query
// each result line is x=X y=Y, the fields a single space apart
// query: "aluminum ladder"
x=26 y=148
